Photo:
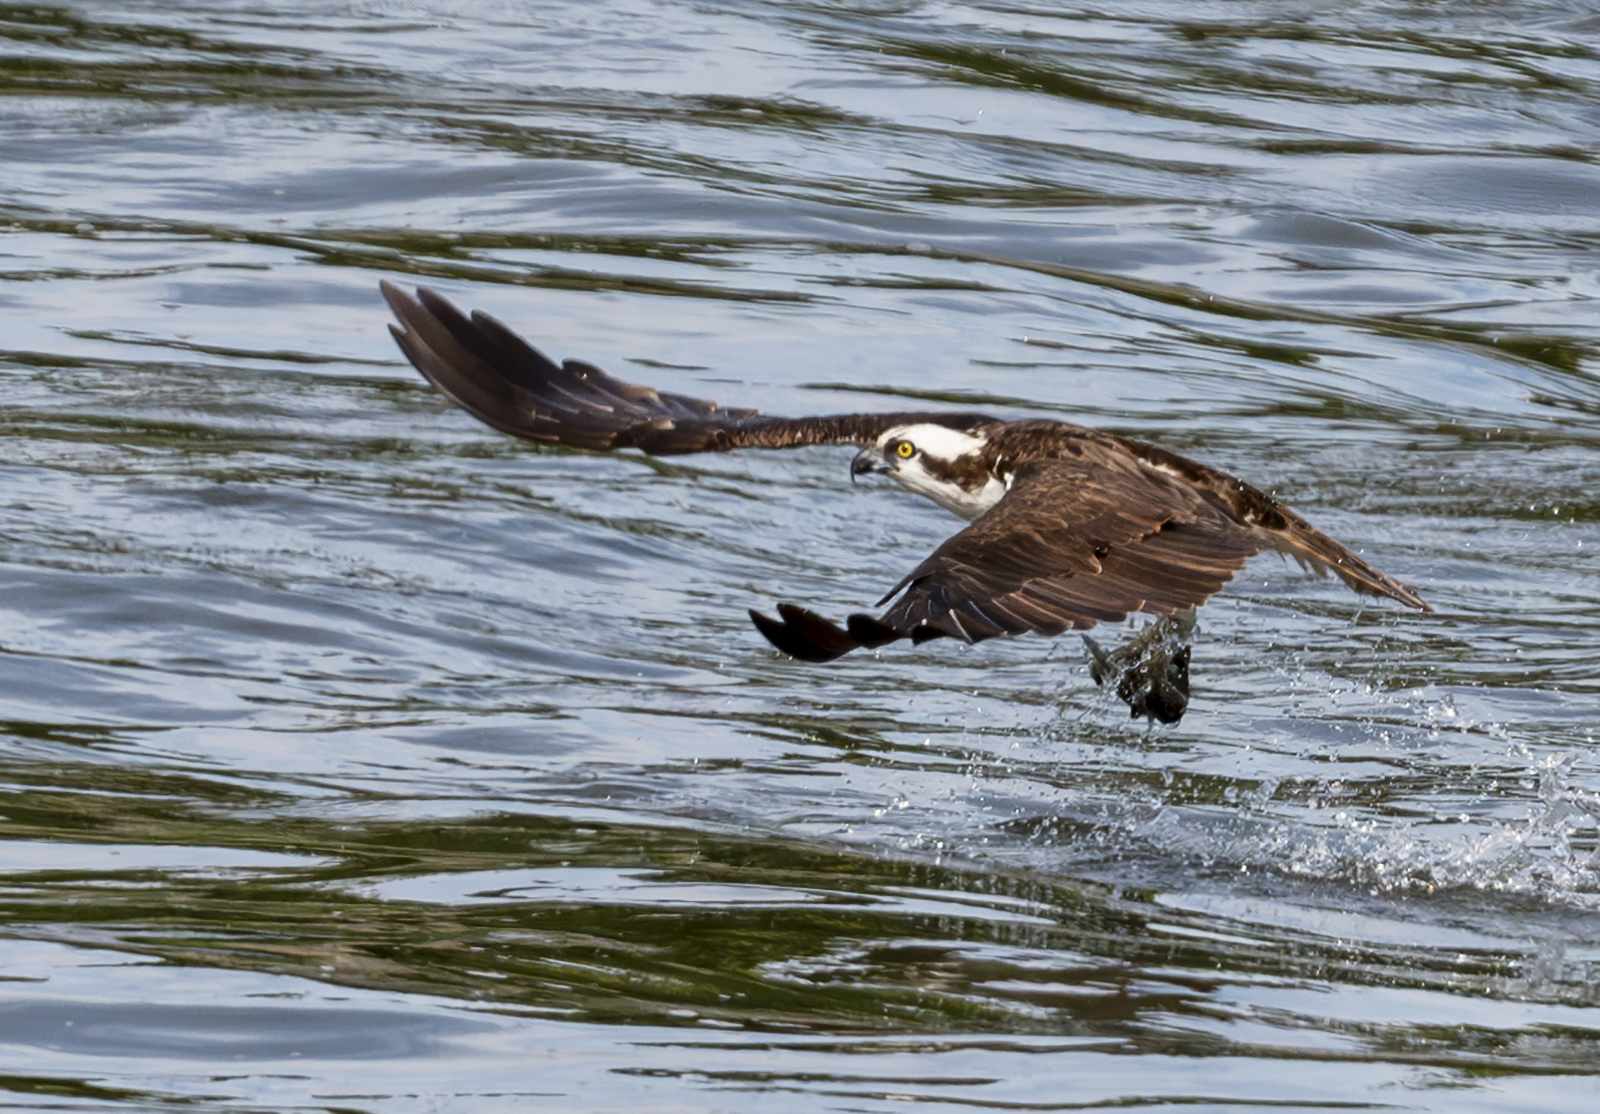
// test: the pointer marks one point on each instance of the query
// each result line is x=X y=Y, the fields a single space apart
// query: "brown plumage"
x=506 y=383
x=1072 y=526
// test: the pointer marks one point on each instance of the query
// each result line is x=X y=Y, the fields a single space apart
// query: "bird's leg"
x=1150 y=673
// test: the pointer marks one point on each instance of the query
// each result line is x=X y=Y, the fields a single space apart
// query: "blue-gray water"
x=358 y=758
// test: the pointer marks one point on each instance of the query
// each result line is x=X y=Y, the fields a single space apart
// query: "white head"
x=943 y=464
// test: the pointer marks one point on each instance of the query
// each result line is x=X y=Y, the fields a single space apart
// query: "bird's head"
x=945 y=464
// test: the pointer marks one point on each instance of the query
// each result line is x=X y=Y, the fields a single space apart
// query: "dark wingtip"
x=869 y=632
x=774 y=632
x=803 y=635
x=399 y=301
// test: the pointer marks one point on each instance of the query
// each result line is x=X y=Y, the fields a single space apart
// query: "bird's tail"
x=1311 y=547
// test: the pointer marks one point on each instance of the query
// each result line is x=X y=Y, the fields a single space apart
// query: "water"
x=357 y=758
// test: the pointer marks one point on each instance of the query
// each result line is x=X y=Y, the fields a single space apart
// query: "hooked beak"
x=865 y=463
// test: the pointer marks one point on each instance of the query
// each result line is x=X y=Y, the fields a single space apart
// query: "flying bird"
x=1068 y=526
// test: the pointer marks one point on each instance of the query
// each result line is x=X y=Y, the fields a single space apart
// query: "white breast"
x=966 y=503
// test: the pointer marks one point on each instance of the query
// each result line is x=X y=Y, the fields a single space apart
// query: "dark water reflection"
x=356 y=758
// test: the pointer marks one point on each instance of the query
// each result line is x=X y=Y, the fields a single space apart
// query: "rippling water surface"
x=358 y=758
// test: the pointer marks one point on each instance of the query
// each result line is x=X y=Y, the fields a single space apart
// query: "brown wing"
x=1074 y=543
x=511 y=386
x=1280 y=527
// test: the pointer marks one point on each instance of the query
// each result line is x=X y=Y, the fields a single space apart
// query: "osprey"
x=1069 y=526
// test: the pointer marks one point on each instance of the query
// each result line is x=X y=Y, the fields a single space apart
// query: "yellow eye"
x=905 y=450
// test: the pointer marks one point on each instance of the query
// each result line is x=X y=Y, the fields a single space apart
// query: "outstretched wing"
x=1078 y=540
x=1075 y=542
x=511 y=386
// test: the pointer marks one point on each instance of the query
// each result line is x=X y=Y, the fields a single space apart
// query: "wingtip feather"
x=803 y=635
